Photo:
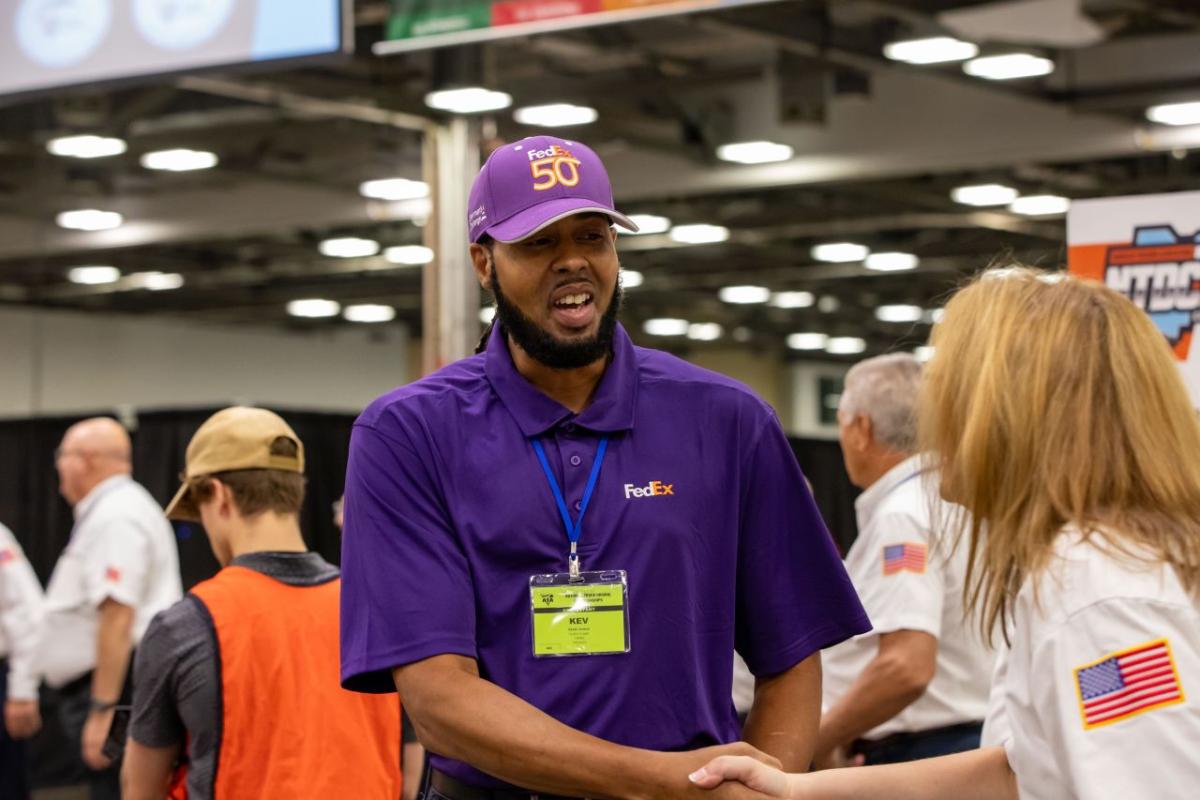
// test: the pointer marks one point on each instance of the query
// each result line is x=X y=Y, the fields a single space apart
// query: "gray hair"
x=884 y=389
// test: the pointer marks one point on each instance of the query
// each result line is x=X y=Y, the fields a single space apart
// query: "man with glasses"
x=120 y=568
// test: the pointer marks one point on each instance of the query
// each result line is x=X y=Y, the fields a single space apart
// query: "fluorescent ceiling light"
x=487 y=314
x=394 y=189
x=828 y=304
x=180 y=160
x=314 y=308
x=409 y=255
x=89 y=219
x=845 y=346
x=699 y=234
x=1175 y=114
x=933 y=316
x=792 y=299
x=556 y=115
x=807 y=341
x=631 y=279
x=933 y=50
x=368 y=312
x=742 y=334
x=984 y=194
x=348 y=247
x=924 y=352
x=760 y=152
x=666 y=326
x=93 y=276
x=1009 y=67
x=705 y=331
x=648 y=223
x=156 y=281
x=87 y=146
x=840 y=252
x=469 y=100
x=899 y=313
x=1040 y=205
x=743 y=295
x=891 y=262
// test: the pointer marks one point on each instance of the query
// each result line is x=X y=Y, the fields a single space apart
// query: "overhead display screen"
x=420 y=24
x=45 y=44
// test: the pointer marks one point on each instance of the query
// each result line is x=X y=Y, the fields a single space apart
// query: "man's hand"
x=95 y=731
x=22 y=718
x=753 y=774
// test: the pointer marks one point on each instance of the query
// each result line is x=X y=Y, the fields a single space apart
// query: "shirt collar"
x=868 y=502
x=612 y=406
x=91 y=498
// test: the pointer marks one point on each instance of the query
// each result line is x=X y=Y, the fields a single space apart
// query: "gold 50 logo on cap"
x=552 y=167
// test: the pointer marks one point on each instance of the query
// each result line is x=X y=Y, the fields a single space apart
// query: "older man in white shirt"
x=916 y=685
x=20 y=627
x=120 y=568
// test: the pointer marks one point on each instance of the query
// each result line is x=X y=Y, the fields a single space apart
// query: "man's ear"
x=223 y=498
x=865 y=431
x=482 y=261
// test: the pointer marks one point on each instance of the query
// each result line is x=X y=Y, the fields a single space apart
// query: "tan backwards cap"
x=234 y=439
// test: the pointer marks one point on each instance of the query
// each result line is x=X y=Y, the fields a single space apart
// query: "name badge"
x=587 y=615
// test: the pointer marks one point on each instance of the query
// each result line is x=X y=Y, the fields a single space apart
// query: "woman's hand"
x=743 y=769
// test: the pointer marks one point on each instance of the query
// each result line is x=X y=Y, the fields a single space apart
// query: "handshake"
x=738 y=772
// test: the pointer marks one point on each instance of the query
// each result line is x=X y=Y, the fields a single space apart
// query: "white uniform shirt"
x=122 y=548
x=910 y=579
x=20 y=618
x=1097 y=691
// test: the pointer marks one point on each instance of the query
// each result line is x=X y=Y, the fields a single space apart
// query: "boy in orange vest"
x=241 y=676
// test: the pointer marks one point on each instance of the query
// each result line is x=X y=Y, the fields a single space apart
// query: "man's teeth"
x=573 y=300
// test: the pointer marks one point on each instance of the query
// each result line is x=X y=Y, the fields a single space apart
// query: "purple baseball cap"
x=527 y=185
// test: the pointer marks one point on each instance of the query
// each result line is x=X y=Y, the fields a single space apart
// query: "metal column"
x=450 y=291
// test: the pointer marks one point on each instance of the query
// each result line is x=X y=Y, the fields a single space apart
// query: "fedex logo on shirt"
x=652 y=489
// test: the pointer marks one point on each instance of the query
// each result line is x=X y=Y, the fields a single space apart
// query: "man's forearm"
x=459 y=715
x=114 y=642
x=977 y=774
x=146 y=771
x=783 y=720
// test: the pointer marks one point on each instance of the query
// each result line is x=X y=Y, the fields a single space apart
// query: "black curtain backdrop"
x=31 y=506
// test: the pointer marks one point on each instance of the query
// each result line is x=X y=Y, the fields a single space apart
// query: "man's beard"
x=542 y=346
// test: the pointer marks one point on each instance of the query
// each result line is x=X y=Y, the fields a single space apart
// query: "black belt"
x=455 y=789
x=867 y=746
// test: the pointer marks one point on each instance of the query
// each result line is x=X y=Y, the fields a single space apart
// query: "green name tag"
x=582 y=617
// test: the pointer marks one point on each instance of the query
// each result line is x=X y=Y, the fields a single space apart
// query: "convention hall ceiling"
x=879 y=147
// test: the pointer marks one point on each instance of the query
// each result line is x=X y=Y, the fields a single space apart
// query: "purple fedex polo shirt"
x=448 y=514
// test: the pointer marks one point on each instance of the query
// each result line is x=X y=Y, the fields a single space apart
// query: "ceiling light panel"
x=666 y=326
x=93 y=275
x=409 y=255
x=1040 y=205
x=394 y=189
x=89 y=219
x=705 y=331
x=891 y=262
x=556 y=115
x=631 y=279
x=314 y=308
x=807 y=341
x=931 y=50
x=1175 y=114
x=368 y=312
x=984 y=194
x=1012 y=66
x=840 y=252
x=744 y=295
x=759 y=152
x=648 y=223
x=179 y=160
x=86 y=146
x=899 y=313
x=793 y=299
x=468 y=100
x=845 y=346
x=699 y=234
x=156 y=281
x=348 y=247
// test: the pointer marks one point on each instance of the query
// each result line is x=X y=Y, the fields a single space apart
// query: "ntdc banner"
x=1147 y=248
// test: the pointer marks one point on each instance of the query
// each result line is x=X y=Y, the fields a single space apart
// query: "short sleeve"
x=407 y=593
x=906 y=589
x=155 y=721
x=118 y=563
x=1117 y=698
x=21 y=617
x=793 y=594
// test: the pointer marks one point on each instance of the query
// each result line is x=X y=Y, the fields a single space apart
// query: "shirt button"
x=576 y=461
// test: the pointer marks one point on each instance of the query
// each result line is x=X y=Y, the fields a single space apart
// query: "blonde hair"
x=1051 y=402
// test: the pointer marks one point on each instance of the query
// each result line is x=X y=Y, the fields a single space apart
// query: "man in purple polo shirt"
x=553 y=547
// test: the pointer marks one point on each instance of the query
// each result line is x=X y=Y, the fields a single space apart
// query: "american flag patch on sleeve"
x=907 y=556
x=1128 y=683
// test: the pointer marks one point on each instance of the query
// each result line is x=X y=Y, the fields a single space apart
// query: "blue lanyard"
x=574 y=529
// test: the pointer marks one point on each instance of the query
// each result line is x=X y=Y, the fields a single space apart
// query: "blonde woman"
x=1062 y=423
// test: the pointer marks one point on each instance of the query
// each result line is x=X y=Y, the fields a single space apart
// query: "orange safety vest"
x=288 y=728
